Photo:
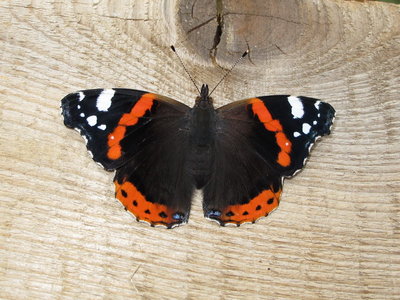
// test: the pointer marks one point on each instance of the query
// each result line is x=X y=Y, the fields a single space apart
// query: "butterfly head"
x=204 y=97
x=204 y=91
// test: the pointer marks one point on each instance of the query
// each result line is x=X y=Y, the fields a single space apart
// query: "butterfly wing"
x=143 y=137
x=99 y=112
x=260 y=141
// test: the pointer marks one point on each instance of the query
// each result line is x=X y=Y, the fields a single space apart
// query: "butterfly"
x=162 y=150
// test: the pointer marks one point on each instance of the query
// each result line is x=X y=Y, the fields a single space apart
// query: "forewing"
x=285 y=127
x=105 y=116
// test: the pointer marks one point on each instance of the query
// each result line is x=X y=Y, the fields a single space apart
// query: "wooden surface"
x=336 y=232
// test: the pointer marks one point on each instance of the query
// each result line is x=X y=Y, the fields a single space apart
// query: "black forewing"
x=78 y=107
x=301 y=130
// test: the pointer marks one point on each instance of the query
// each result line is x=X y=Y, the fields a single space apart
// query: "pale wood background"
x=336 y=233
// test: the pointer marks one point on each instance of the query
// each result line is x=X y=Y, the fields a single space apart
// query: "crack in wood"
x=200 y=25
x=218 y=32
x=220 y=15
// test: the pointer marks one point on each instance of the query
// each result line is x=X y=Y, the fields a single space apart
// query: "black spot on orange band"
x=154 y=213
x=259 y=206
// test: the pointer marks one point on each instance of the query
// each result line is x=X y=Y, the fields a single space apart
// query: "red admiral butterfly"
x=162 y=150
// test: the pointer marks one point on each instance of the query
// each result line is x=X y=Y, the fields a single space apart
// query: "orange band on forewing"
x=138 y=110
x=114 y=152
x=128 y=120
x=283 y=159
x=273 y=125
x=138 y=205
x=116 y=136
x=259 y=206
x=143 y=105
x=283 y=142
x=261 y=111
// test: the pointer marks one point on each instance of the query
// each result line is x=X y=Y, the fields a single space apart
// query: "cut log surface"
x=336 y=234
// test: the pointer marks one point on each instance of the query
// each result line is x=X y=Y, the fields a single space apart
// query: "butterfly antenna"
x=187 y=72
x=230 y=70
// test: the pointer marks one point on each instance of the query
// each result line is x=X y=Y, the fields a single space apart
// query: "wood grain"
x=336 y=233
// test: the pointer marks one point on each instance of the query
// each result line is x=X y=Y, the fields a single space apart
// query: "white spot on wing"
x=92 y=120
x=82 y=115
x=103 y=102
x=316 y=104
x=102 y=127
x=306 y=128
x=314 y=122
x=296 y=134
x=297 y=107
x=79 y=107
x=81 y=96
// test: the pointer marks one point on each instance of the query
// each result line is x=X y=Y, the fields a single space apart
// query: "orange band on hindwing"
x=144 y=210
x=140 y=108
x=275 y=126
x=259 y=206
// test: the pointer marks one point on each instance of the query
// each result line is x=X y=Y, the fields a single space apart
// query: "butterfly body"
x=202 y=119
x=162 y=150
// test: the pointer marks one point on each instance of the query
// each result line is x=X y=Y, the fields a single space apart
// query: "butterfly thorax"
x=202 y=119
x=201 y=137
